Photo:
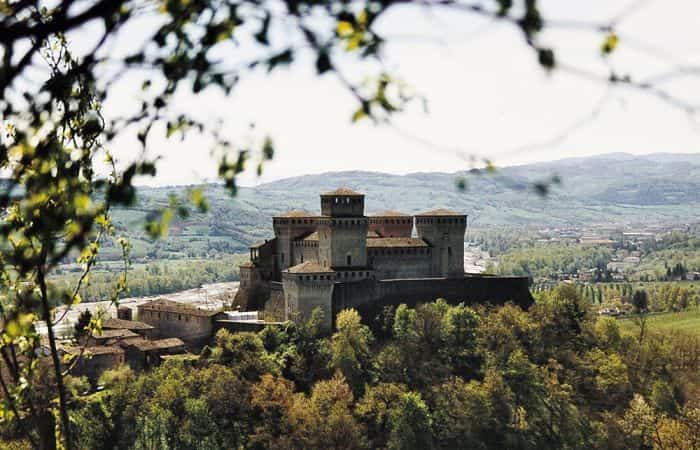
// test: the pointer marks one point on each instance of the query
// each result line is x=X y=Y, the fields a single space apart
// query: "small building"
x=109 y=337
x=142 y=354
x=143 y=329
x=94 y=360
x=178 y=320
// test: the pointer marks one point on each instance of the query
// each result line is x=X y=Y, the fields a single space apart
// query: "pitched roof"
x=159 y=344
x=343 y=191
x=115 y=324
x=102 y=350
x=163 y=304
x=372 y=234
x=309 y=267
x=312 y=237
x=396 y=242
x=440 y=212
x=389 y=213
x=297 y=213
x=96 y=350
x=113 y=334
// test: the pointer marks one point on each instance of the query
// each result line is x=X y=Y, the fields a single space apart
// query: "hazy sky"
x=486 y=95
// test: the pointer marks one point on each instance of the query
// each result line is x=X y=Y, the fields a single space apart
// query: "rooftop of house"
x=114 y=334
x=165 y=305
x=96 y=350
x=439 y=212
x=297 y=213
x=389 y=213
x=116 y=324
x=309 y=267
x=343 y=191
x=145 y=345
x=396 y=242
x=312 y=236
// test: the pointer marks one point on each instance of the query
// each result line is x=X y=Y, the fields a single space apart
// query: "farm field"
x=687 y=321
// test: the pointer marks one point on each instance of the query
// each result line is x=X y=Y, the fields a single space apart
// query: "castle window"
x=449 y=251
x=348 y=260
x=179 y=317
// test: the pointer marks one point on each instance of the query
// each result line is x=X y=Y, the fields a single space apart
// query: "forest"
x=154 y=278
x=436 y=376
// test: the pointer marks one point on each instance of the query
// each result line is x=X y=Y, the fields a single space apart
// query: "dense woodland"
x=437 y=376
x=155 y=278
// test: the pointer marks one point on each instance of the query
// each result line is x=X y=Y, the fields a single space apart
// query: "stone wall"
x=399 y=262
x=305 y=251
x=192 y=329
x=274 y=307
x=303 y=295
x=343 y=241
x=393 y=226
x=370 y=296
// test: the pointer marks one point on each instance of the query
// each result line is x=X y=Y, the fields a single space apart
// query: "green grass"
x=686 y=321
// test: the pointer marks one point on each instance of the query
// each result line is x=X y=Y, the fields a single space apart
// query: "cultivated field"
x=688 y=321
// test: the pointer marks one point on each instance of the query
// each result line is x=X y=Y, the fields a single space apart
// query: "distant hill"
x=615 y=188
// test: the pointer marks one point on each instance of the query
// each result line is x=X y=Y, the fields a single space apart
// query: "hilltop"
x=614 y=188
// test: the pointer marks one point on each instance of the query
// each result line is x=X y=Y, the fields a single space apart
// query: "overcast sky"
x=486 y=96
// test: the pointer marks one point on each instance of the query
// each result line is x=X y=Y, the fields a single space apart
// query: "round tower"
x=444 y=231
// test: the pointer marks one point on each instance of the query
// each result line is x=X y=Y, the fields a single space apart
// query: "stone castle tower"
x=444 y=231
x=342 y=230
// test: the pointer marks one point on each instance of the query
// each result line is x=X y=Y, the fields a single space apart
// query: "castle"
x=342 y=258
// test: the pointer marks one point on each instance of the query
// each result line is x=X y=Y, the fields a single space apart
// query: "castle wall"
x=287 y=229
x=306 y=251
x=343 y=242
x=343 y=206
x=398 y=226
x=446 y=235
x=191 y=328
x=370 y=296
x=393 y=262
x=306 y=292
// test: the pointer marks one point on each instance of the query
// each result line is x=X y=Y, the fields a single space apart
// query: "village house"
x=171 y=319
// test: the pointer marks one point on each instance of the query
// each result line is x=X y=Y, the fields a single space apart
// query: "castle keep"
x=342 y=258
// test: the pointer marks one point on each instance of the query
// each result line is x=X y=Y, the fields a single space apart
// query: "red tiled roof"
x=146 y=345
x=116 y=324
x=396 y=242
x=309 y=267
x=112 y=334
x=390 y=213
x=343 y=191
x=297 y=213
x=312 y=237
x=440 y=212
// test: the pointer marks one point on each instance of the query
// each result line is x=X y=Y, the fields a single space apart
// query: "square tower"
x=444 y=231
x=342 y=230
